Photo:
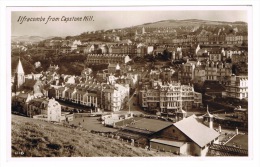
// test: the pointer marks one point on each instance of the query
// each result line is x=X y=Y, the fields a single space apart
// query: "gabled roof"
x=196 y=131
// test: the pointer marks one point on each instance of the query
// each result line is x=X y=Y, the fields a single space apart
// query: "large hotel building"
x=169 y=97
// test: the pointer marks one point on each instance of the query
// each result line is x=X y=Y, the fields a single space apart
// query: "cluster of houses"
x=83 y=90
x=36 y=96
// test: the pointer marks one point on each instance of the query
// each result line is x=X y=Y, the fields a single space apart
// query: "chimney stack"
x=236 y=131
x=219 y=128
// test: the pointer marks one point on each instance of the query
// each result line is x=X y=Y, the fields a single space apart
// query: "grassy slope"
x=38 y=138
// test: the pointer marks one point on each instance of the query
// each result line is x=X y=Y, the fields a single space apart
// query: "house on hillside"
x=45 y=109
x=20 y=102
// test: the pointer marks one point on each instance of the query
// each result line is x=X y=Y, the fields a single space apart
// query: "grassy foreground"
x=34 y=138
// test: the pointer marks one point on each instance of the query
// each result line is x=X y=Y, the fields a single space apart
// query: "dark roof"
x=152 y=125
x=213 y=86
x=228 y=150
x=239 y=140
x=29 y=83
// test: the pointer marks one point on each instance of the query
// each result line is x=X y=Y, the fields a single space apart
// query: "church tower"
x=19 y=78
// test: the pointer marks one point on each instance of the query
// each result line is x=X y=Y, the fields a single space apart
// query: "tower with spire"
x=19 y=78
x=208 y=119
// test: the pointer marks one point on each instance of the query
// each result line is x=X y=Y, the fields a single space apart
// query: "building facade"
x=45 y=109
x=237 y=87
x=169 y=97
x=107 y=58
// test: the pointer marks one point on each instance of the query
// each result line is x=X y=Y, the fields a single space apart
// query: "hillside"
x=41 y=139
x=31 y=39
x=189 y=22
x=195 y=26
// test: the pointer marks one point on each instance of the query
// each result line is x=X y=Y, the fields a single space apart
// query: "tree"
x=68 y=37
x=166 y=54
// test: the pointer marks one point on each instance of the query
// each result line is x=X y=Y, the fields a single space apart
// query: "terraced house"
x=111 y=97
x=107 y=58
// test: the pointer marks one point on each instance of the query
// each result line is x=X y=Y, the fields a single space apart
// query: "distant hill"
x=42 y=139
x=27 y=39
x=181 y=27
x=189 y=22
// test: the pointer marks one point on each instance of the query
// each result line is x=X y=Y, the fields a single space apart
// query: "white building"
x=169 y=97
x=45 y=109
x=112 y=119
x=237 y=87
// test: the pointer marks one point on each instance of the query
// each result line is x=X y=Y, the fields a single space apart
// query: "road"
x=133 y=105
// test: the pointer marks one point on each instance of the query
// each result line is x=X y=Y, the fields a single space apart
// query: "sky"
x=103 y=20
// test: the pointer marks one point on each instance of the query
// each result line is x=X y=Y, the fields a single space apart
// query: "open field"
x=34 y=138
x=91 y=123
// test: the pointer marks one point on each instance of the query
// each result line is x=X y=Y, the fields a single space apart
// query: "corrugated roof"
x=196 y=131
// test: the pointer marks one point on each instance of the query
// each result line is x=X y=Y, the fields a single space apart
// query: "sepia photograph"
x=130 y=81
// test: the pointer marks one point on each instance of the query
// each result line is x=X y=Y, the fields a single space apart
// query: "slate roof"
x=196 y=131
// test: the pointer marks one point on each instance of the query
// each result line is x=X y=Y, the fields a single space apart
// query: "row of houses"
x=230 y=39
x=111 y=97
x=197 y=72
x=235 y=86
x=107 y=58
x=221 y=54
